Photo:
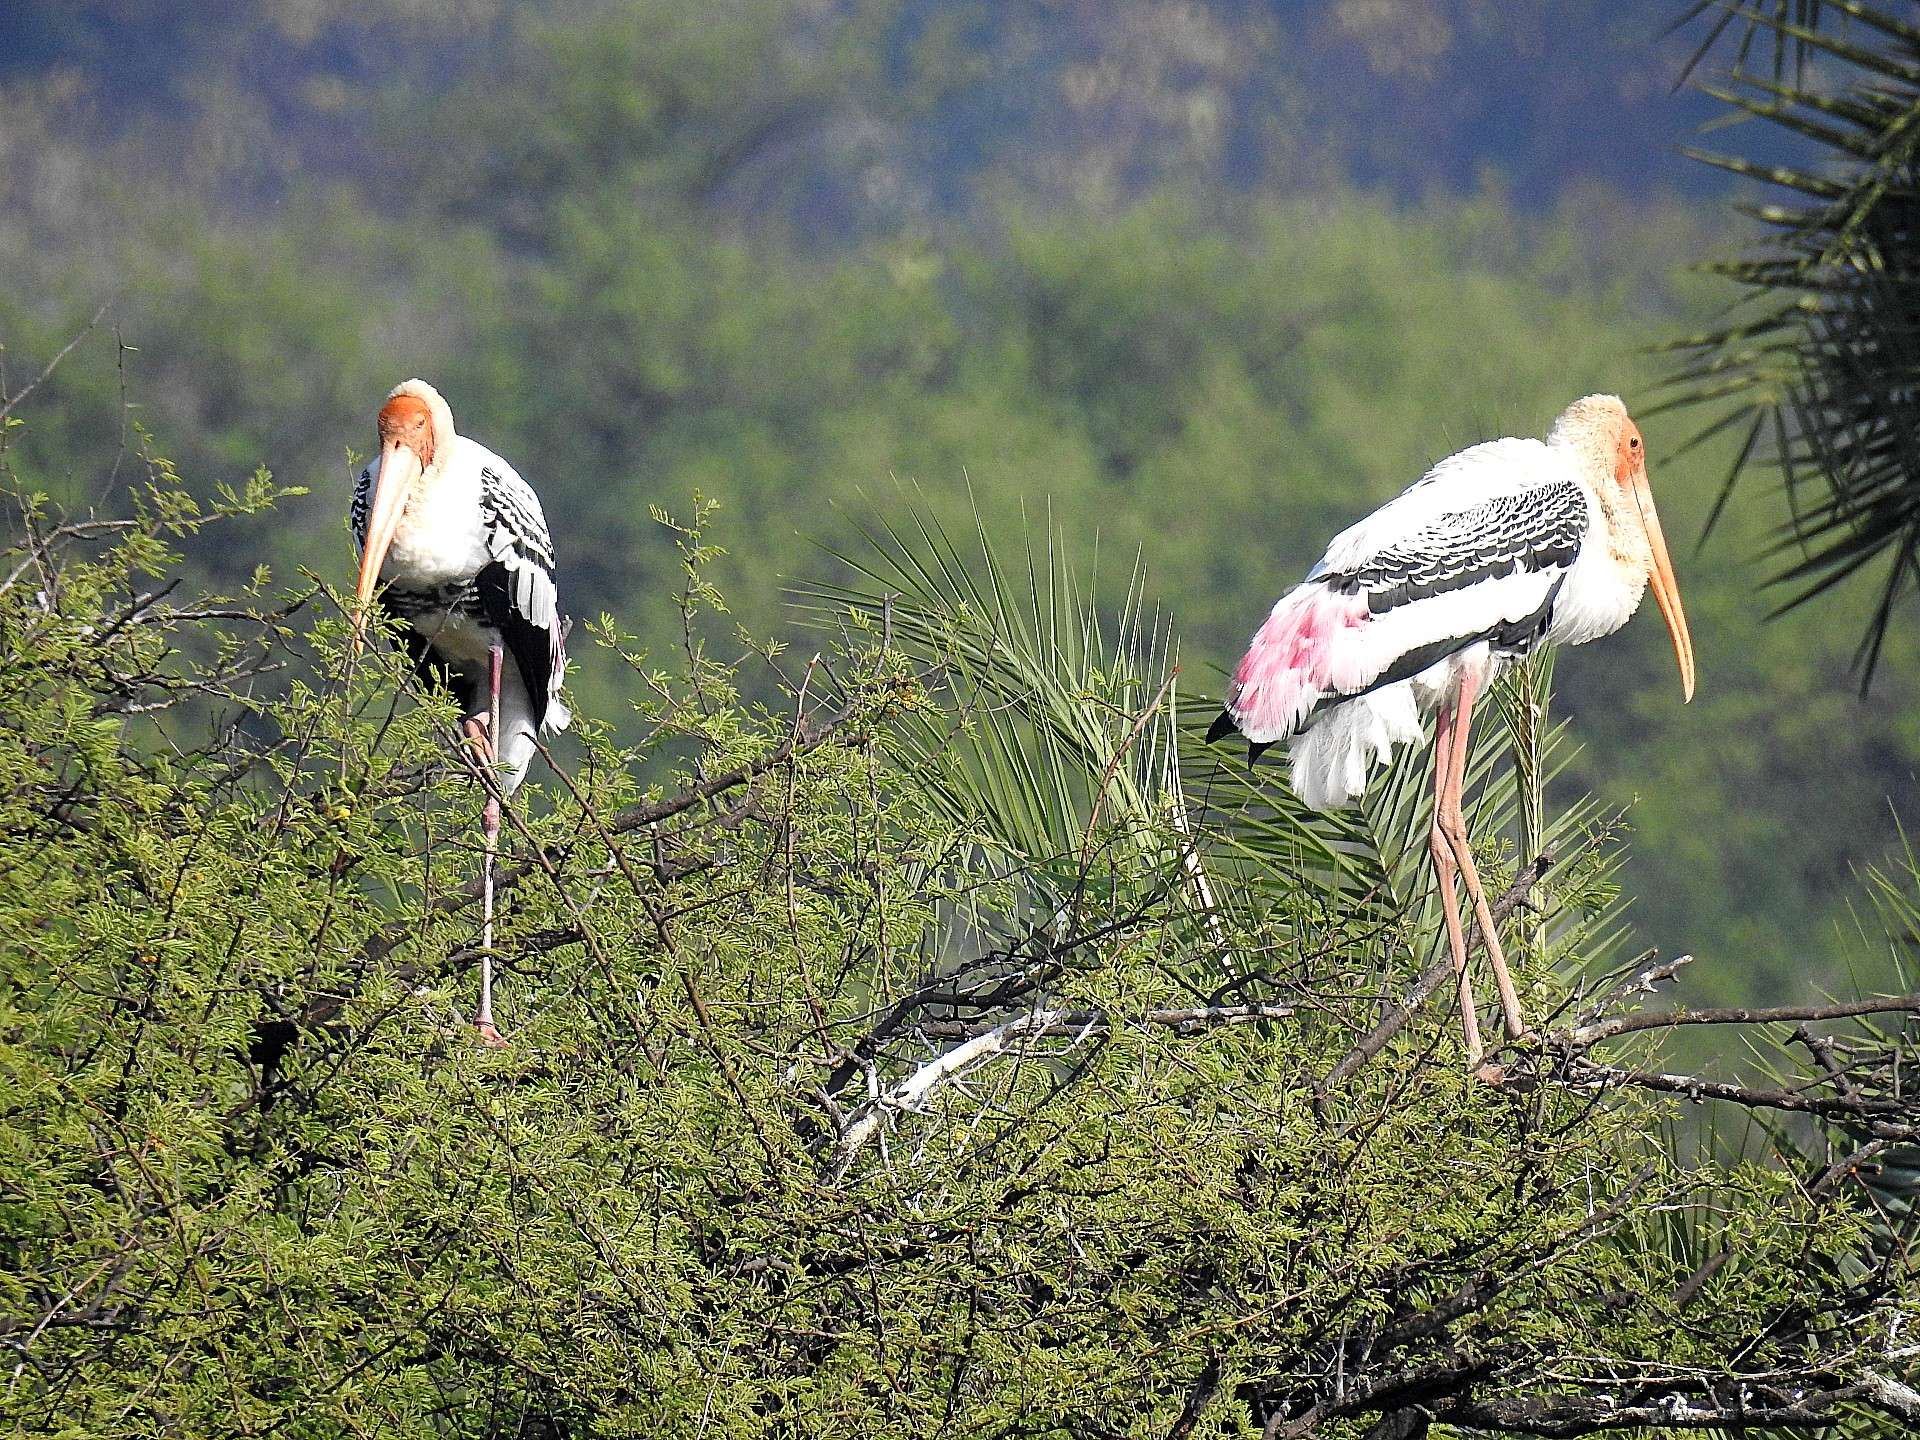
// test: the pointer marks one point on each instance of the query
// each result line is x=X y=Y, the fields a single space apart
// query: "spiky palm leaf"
x=1755 y=29
x=1057 y=720
x=1818 y=369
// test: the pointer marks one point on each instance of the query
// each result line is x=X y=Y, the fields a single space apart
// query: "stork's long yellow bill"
x=1666 y=590
x=399 y=469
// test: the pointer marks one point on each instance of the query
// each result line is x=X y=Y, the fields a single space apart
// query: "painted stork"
x=457 y=547
x=1496 y=550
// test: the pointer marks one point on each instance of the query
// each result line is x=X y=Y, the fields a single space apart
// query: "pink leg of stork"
x=1444 y=869
x=483 y=1017
x=1452 y=825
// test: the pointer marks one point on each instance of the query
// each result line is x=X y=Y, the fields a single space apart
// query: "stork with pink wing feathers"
x=1496 y=551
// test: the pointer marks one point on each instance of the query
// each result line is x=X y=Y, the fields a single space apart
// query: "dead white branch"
x=912 y=1092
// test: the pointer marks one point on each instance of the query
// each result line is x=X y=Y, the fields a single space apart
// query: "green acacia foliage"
x=835 y=1104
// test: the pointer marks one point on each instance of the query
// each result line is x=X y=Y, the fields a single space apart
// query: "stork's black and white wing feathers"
x=516 y=587
x=362 y=507
x=1486 y=567
x=1519 y=532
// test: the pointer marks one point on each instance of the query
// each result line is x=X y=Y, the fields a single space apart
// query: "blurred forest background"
x=1198 y=282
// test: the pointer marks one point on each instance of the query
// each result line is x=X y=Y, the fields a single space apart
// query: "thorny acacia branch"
x=808 y=736
x=1883 y=1119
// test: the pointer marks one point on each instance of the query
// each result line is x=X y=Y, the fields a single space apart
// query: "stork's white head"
x=416 y=430
x=1613 y=461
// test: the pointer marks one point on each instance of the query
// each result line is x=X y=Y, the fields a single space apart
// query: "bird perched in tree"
x=455 y=543
x=1499 y=549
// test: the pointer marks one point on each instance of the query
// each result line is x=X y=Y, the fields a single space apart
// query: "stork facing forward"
x=1496 y=550
x=456 y=545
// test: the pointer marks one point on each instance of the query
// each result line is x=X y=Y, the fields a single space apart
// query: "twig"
x=708 y=1031
x=54 y=364
x=1822 y=1050
x=803 y=742
x=1652 y=972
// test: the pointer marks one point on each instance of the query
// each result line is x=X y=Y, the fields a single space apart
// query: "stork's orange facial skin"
x=406 y=449
x=1630 y=471
x=406 y=420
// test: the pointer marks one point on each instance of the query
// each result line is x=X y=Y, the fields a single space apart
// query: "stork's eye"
x=1634 y=443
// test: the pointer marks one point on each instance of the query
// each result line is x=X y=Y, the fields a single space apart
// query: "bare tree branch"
x=1883 y=1119
x=913 y=1090
x=1583 y=1036
x=1187 y=1021
x=1727 y=1405
x=985 y=1041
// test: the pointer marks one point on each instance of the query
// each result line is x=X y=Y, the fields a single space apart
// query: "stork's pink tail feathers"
x=1296 y=658
x=1309 y=649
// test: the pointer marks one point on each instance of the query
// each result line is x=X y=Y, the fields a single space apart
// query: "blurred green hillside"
x=594 y=233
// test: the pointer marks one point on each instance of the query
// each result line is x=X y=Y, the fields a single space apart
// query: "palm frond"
x=1785 y=32
x=1059 y=718
x=1820 y=366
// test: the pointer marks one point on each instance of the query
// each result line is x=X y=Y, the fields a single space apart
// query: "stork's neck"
x=1626 y=536
x=433 y=474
